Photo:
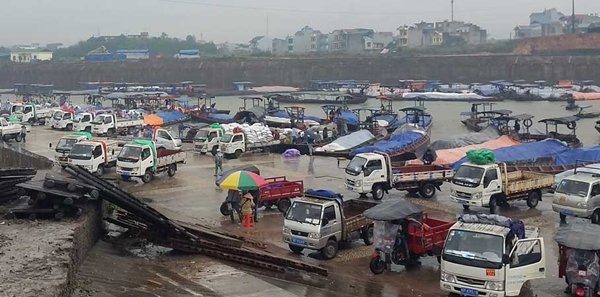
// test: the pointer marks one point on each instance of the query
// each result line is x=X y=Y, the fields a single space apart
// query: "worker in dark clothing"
x=428 y=157
x=517 y=127
x=473 y=108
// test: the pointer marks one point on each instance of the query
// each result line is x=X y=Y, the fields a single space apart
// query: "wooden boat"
x=320 y=98
x=552 y=125
x=586 y=115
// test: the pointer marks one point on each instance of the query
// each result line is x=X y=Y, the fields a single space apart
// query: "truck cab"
x=62 y=119
x=103 y=123
x=233 y=144
x=94 y=155
x=579 y=196
x=366 y=171
x=166 y=140
x=10 y=130
x=474 y=185
x=83 y=122
x=490 y=260
x=64 y=146
x=208 y=140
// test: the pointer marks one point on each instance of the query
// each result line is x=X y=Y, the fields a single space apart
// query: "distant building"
x=279 y=47
x=471 y=34
x=188 y=54
x=135 y=54
x=308 y=40
x=30 y=55
x=583 y=22
x=349 y=41
x=547 y=16
x=528 y=31
x=422 y=34
x=551 y=22
x=378 y=41
x=261 y=44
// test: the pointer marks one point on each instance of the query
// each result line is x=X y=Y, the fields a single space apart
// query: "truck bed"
x=412 y=173
x=280 y=188
x=168 y=157
x=353 y=209
x=121 y=122
x=524 y=181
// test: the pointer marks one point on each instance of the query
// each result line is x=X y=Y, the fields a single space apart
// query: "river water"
x=446 y=115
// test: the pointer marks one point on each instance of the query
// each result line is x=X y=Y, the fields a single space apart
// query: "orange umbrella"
x=153 y=120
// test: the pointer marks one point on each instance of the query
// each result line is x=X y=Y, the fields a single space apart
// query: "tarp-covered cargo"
x=571 y=157
x=396 y=143
x=348 y=142
x=465 y=139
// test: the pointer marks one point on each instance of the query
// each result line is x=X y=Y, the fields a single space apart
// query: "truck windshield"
x=201 y=135
x=468 y=174
x=573 y=187
x=227 y=138
x=474 y=249
x=81 y=151
x=305 y=213
x=98 y=120
x=57 y=115
x=130 y=154
x=356 y=165
x=65 y=144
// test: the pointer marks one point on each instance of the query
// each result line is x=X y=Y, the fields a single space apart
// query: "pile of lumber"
x=157 y=228
x=54 y=197
x=9 y=178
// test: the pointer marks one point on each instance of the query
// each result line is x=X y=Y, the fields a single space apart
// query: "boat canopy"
x=560 y=121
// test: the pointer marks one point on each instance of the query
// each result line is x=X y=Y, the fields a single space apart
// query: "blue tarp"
x=570 y=157
x=285 y=115
x=396 y=143
x=350 y=117
x=526 y=152
x=172 y=116
x=221 y=116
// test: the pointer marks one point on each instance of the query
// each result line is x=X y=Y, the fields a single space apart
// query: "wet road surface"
x=192 y=196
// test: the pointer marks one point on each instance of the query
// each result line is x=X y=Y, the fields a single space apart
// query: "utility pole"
x=267 y=26
x=452 y=10
x=573 y=19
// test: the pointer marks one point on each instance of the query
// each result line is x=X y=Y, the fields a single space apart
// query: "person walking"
x=218 y=162
x=247 y=210
x=23 y=132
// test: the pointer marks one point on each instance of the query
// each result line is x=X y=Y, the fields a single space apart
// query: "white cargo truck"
x=208 y=140
x=110 y=124
x=141 y=159
x=94 y=155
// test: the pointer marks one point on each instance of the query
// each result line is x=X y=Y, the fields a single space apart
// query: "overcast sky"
x=68 y=21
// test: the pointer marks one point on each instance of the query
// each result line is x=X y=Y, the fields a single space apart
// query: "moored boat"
x=321 y=98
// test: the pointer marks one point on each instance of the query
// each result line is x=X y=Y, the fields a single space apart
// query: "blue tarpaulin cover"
x=526 y=152
x=395 y=143
x=571 y=157
x=350 y=117
x=172 y=116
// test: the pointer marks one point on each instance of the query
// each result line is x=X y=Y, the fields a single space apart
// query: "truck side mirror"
x=505 y=259
x=324 y=222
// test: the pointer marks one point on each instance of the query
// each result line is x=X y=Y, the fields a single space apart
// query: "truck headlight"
x=477 y=195
x=582 y=204
x=314 y=235
x=452 y=192
x=447 y=277
x=356 y=183
x=494 y=286
x=286 y=230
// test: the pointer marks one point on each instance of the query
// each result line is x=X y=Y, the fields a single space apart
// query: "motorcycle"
x=579 y=260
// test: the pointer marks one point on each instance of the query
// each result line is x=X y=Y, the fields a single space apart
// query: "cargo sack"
x=481 y=157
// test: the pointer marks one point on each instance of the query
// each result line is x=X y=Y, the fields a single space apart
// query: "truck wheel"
x=330 y=249
x=224 y=209
x=100 y=170
x=147 y=177
x=427 y=191
x=377 y=265
x=69 y=127
x=18 y=137
x=367 y=235
x=238 y=153
x=283 y=205
x=296 y=249
x=88 y=129
x=172 y=170
x=493 y=205
x=596 y=217
x=378 y=192
x=533 y=198
x=110 y=133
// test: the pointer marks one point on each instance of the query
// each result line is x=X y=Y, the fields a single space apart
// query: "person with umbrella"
x=246 y=182
x=248 y=210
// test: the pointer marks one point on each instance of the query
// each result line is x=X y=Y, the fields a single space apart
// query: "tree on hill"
x=159 y=46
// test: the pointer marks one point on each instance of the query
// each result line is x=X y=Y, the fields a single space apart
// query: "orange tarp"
x=586 y=96
x=153 y=120
x=449 y=156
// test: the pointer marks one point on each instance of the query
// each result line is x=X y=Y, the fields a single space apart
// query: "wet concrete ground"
x=192 y=196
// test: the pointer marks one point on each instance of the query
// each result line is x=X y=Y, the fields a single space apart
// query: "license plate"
x=125 y=173
x=297 y=241
x=469 y=292
x=582 y=273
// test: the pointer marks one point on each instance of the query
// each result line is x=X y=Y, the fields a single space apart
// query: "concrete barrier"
x=12 y=156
